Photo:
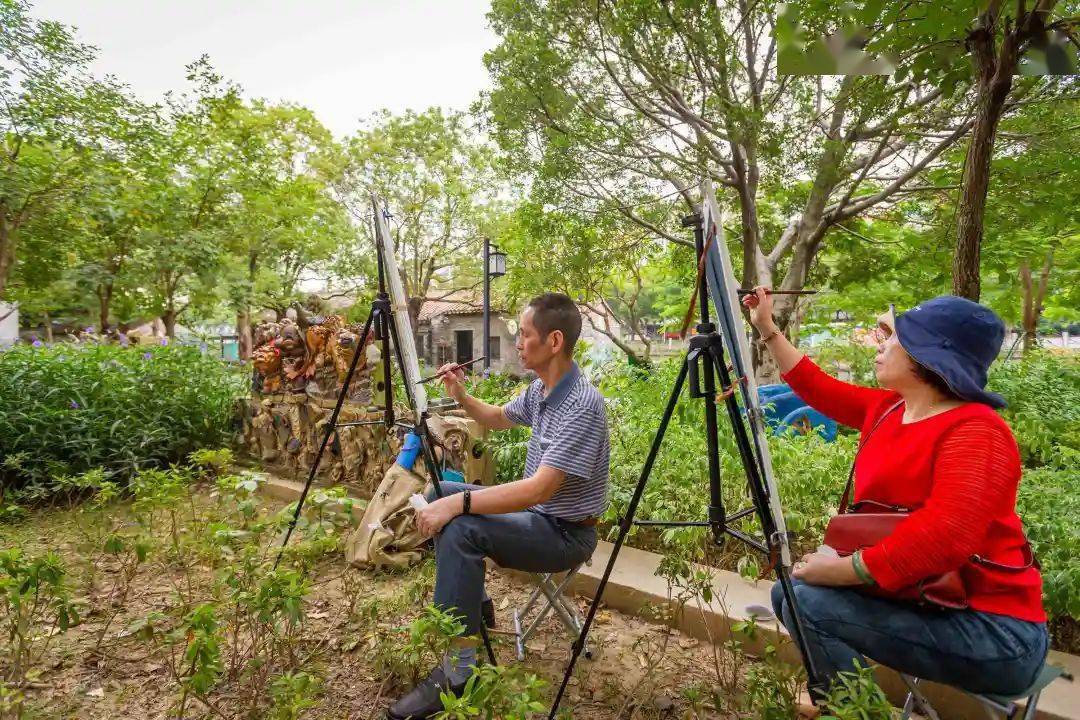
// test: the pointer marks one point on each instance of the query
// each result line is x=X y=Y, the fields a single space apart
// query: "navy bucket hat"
x=957 y=339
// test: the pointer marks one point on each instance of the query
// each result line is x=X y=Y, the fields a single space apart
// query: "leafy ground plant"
x=35 y=605
x=856 y=696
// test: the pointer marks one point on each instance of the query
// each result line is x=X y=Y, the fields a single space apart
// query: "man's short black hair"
x=555 y=311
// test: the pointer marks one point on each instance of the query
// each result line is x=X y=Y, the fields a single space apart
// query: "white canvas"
x=400 y=302
x=726 y=300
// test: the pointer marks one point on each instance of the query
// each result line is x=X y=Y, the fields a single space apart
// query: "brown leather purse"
x=864 y=524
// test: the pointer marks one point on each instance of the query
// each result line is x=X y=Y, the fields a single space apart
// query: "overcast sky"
x=344 y=59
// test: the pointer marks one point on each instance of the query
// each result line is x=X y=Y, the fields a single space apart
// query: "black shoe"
x=423 y=701
x=487 y=611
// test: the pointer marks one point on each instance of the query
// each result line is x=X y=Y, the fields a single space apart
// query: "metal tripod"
x=704 y=364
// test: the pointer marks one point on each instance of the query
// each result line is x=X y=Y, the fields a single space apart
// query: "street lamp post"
x=494 y=266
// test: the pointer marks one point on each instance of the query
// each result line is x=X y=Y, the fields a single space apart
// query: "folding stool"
x=1006 y=705
x=547 y=597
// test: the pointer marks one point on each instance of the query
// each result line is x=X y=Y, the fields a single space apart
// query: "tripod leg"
x=759 y=495
x=624 y=529
x=386 y=323
x=487 y=643
x=813 y=682
x=331 y=426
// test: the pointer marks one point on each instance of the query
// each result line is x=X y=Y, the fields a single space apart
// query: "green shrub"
x=1043 y=392
x=212 y=463
x=496 y=691
x=1049 y=504
x=507 y=447
x=856 y=359
x=35 y=604
x=293 y=693
x=67 y=409
x=857 y=696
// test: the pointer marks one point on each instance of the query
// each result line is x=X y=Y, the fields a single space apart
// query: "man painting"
x=544 y=522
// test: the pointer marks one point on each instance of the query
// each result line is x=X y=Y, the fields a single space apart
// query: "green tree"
x=286 y=222
x=44 y=283
x=187 y=198
x=439 y=182
x=1030 y=262
x=1032 y=240
x=616 y=270
x=613 y=105
x=53 y=116
x=115 y=219
x=981 y=44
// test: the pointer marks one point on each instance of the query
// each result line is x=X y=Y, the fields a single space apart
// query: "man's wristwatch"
x=466 y=501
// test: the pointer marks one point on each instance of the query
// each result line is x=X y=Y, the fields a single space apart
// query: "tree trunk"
x=995 y=78
x=243 y=331
x=414 y=304
x=631 y=354
x=1033 y=300
x=48 y=327
x=246 y=340
x=766 y=371
x=169 y=318
x=104 y=293
x=7 y=250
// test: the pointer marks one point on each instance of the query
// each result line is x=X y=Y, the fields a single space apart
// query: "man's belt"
x=587 y=522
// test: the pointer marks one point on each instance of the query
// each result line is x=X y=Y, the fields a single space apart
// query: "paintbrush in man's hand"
x=457 y=366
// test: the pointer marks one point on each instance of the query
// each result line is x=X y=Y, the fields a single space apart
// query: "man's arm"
x=490 y=416
x=506 y=498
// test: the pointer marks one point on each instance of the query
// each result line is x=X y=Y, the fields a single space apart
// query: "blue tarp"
x=785 y=412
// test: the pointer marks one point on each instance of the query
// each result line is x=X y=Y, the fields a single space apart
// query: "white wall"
x=9 y=326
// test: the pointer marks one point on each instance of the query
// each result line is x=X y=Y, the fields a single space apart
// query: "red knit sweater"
x=957 y=471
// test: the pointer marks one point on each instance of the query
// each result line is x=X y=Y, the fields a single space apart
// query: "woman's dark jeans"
x=976 y=651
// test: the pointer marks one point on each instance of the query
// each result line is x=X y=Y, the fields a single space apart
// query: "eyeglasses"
x=886 y=325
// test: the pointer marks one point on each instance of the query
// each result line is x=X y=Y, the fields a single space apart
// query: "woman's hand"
x=431 y=519
x=760 y=305
x=821 y=569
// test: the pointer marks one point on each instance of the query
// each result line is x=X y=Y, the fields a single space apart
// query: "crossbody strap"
x=845 y=499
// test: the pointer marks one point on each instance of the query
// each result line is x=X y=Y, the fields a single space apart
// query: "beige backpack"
x=387 y=536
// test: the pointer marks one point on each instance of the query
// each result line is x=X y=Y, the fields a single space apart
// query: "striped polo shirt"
x=569 y=433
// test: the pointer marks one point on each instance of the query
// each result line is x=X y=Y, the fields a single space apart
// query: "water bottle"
x=409 y=451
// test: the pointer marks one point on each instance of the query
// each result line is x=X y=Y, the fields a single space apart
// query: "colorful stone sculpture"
x=299 y=369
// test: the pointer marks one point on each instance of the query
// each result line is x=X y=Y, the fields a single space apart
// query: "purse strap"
x=846 y=497
x=1029 y=560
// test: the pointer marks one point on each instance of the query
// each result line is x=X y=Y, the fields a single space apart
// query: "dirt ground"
x=639 y=670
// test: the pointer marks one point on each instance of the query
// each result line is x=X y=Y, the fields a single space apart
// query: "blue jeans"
x=527 y=540
x=976 y=651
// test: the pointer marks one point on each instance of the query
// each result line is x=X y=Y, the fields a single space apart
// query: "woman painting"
x=938 y=449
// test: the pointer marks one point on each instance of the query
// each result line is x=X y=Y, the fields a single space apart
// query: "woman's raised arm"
x=846 y=403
